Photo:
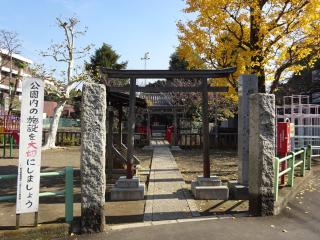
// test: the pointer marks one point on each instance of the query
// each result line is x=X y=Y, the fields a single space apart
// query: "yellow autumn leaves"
x=268 y=37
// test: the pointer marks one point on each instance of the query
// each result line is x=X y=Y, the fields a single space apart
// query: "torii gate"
x=204 y=89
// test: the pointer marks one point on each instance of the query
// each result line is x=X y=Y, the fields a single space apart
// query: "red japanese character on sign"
x=31 y=153
x=32 y=144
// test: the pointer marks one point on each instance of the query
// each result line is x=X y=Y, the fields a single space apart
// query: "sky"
x=131 y=27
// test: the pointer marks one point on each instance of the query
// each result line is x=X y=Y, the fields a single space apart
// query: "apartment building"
x=20 y=68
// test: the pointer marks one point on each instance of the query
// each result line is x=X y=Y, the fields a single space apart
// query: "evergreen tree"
x=106 y=57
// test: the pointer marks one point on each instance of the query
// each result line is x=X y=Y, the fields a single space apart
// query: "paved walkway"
x=300 y=220
x=167 y=197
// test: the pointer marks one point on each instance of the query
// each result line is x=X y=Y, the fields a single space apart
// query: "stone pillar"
x=248 y=84
x=261 y=154
x=92 y=165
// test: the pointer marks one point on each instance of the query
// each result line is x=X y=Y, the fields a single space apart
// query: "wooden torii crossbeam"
x=133 y=75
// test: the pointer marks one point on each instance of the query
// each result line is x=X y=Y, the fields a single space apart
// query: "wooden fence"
x=65 y=137
x=195 y=140
x=185 y=140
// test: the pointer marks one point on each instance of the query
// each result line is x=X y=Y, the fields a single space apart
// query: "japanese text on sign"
x=30 y=145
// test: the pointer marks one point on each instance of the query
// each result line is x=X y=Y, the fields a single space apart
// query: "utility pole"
x=145 y=58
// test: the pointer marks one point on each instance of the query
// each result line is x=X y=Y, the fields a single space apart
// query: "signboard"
x=30 y=146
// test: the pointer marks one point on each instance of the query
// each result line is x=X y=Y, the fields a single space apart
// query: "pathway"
x=300 y=220
x=167 y=196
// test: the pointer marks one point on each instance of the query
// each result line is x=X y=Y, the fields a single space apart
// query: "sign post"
x=28 y=181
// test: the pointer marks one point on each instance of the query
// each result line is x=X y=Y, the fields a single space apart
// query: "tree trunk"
x=256 y=45
x=51 y=140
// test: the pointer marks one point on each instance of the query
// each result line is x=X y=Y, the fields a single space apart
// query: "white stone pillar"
x=248 y=84
x=261 y=154
x=93 y=144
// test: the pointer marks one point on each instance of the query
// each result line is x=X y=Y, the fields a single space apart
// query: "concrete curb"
x=164 y=222
x=42 y=232
x=286 y=194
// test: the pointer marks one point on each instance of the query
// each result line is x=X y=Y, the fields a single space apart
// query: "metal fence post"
x=291 y=172
x=4 y=145
x=303 y=167
x=69 y=194
x=276 y=178
x=11 y=145
x=309 y=155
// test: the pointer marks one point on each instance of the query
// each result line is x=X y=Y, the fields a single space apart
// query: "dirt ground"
x=130 y=211
x=51 y=209
x=224 y=163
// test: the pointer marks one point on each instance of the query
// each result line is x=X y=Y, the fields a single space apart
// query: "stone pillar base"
x=147 y=147
x=175 y=148
x=209 y=189
x=238 y=191
x=127 y=189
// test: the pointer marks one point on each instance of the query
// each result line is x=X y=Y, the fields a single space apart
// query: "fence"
x=315 y=151
x=63 y=122
x=65 y=137
x=304 y=155
x=195 y=140
x=306 y=119
x=9 y=123
x=185 y=140
x=67 y=192
x=4 y=137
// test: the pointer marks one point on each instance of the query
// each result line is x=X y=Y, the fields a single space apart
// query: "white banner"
x=30 y=145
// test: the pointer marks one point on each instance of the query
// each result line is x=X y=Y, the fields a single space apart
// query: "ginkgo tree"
x=270 y=38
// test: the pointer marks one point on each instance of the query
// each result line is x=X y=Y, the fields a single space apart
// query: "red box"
x=283 y=138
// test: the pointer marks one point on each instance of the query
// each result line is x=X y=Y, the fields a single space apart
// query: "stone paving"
x=167 y=196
